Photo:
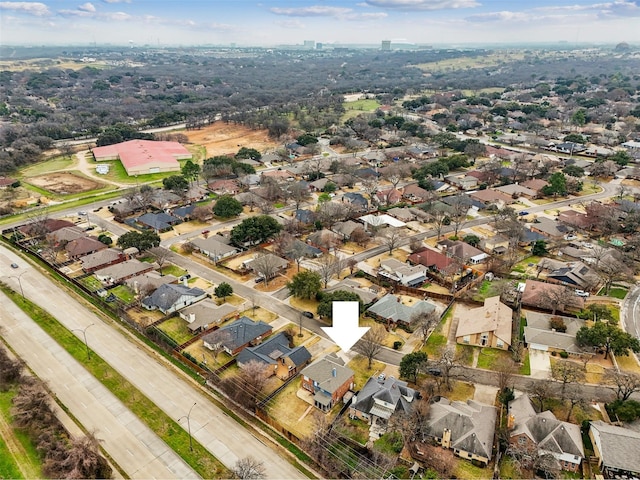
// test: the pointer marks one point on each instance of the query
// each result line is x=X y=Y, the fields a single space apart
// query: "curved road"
x=175 y=395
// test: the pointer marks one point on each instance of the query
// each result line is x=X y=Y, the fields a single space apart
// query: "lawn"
x=490 y=357
x=92 y=283
x=174 y=435
x=464 y=353
x=628 y=363
x=21 y=460
x=124 y=293
x=560 y=409
x=304 y=305
x=353 y=109
x=615 y=292
x=508 y=469
x=359 y=365
x=202 y=354
x=297 y=341
x=461 y=391
x=467 y=470
x=488 y=289
x=259 y=313
x=171 y=269
x=177 y=329
x=435 y=344
x=391 y=336
x=353 y=428
x=52 y=164
x=294 y=413
x=235 y=300
x=525 y=369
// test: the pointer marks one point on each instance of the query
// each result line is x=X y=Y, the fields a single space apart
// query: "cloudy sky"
x=273 y=22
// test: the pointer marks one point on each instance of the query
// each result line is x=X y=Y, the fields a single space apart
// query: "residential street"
x=175 y=395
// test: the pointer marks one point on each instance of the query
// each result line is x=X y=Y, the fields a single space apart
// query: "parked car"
x=307 y=314
x=14 y=265
x=434 y=371
x=582 y=293
x=523 y=213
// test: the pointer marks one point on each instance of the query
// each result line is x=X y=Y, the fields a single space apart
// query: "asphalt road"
x=171 y=392
x=130 y=443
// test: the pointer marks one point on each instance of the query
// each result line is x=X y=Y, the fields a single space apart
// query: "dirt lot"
x=221 y=138
x=64 y=183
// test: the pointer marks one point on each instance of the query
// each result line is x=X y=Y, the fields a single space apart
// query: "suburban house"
x=214 y=247
x=201 y=315
x=101 y=259
x=515 y=190
x=120 y=272
x=328 y=380
x=403 y=273
x=403 y=214
x=238 y=335
x=492 y=197
x=367 y=294
x=574 y=219
x=83 y=246
x=345 y=229
x=6 y=182
x=279 y=358
x=148 y=282
x=539 y=334
x=41 y=228
x=466 y=428
x=550 y=228
x=486 y=326
x=432 y=259
x=224 y=187
x=544 y=433
x=535 y=184
x=391 y=309
x=390 y=196
x=306 y=217
x=324 y=239
x=415 y=194
x=183 y=213
x=359 y=202
x=171 y=297
x=616 y=449
x=278 y=264
x=550 y=296
x=463 y=182
x=158 y=222
x=574 y=274
x=496 y=244
x=464 y=252
x=378 y=221
x=140 y=157
x=379 y=399
x=65 y=234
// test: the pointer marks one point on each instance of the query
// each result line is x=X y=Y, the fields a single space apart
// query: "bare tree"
x=566 y=372
x=391 y=237
x=298 y=193
x=360 y=237
x=449 y=366
x=370 y=186
x=217 y=341
x=328 y=267
x=506 y=369
x=249 y=468
x=351 y=263
x=557 y=298
x=438 y=215
x=161 y=256
x=415 y=244
x=84 y=460
x=425 y=322
x=266 y=207
x=10 y=370
x=371 y=343
x=265 y=265
x=624 y=384
x=539 y=391
x=458 y=213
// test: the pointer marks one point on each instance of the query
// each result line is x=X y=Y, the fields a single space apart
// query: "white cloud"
x=116 y=1
x=423 y=4
x=31 y=8
x=117 y=16
x=87 y=7
x=504 y=16
x=312 y=11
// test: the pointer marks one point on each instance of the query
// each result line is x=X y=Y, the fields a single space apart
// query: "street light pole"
x=84 y=334
x=188 y=417
x=17 y=277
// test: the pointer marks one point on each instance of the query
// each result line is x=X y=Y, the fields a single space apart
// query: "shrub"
x=397 y=344
x=564 y=355
x=558 y=324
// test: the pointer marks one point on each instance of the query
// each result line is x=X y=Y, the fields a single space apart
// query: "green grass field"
x=353 y=109
x=615 y=292
x=13 y=464
x=174 y=435
x=53 y=164
x=177 y=329
x=490 y=357
x=124 y=293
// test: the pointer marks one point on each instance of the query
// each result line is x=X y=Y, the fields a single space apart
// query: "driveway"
x=540 y=364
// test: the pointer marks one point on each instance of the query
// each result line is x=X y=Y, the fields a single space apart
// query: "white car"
x=582 y=293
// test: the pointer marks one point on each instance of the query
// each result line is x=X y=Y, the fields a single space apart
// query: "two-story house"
x=328 y=380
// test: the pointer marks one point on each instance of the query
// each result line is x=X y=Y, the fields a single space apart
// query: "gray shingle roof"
x=242 y=331
x=322 y=369
x=166 y=295
x=618 y=446
x=271 y=350
x=390 y=308
x=472 y=425
x=391 y=391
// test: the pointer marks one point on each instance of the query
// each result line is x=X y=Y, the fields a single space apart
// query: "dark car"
x=434 y=371
x=110 y=298
x=307 y=314
x=14 y=265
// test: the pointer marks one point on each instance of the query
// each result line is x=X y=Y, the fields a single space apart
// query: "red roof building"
x=431 y=259
x=140 y=157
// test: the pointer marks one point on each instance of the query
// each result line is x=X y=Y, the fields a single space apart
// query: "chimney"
x=334 y=372
x=192 y=317
x=446 y=438
x=185 y=282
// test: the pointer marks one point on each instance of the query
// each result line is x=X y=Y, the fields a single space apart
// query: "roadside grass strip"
x=200 y=459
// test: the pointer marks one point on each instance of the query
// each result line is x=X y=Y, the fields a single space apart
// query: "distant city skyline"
x=292 y=22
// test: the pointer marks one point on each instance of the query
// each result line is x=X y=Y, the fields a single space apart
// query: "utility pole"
x=84 y=334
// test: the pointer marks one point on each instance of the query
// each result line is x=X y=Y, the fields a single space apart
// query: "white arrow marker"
x=345 y=331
